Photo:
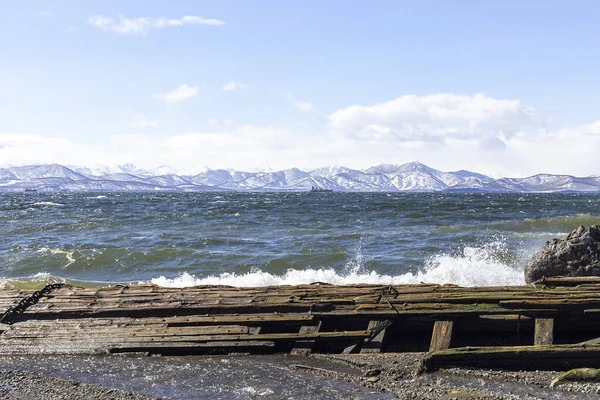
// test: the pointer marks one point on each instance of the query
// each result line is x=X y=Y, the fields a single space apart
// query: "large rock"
x=577 y=255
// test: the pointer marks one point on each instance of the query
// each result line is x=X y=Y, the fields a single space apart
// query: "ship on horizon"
x=317 y=189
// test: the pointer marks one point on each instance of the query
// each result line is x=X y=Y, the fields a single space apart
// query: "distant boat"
x=31 y=190
x=315 y=189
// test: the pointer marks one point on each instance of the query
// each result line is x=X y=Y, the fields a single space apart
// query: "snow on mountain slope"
x=123 y=177
x=212 y=177
x=413 y=176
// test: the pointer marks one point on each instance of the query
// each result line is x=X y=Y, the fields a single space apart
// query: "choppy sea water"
x=248 y=239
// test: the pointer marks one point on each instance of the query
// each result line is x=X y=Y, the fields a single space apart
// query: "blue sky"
x=502 y=87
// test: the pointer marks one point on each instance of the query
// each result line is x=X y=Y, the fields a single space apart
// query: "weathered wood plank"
x=549 y=357
x=544 y=331
x=375 y=342
x=441 y=338
x=214 y=337
x=304 y=347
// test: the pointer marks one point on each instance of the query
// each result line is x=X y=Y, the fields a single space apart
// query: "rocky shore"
x=397 y=374
x=20 y=385
x=392 y=373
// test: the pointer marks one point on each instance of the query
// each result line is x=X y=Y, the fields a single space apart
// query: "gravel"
x=397 y=373
x=392 y=373
x=30 y=385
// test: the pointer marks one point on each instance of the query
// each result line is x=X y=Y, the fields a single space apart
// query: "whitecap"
x=473 y=266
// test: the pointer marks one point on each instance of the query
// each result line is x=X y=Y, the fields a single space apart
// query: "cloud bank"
x=436 y=118
x=447 y=131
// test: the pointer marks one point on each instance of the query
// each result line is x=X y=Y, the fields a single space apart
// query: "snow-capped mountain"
x=410 y=177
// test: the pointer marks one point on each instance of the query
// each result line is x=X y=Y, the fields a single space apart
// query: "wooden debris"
x=441 y=336
x=549 y=357
x=304 y=347
x=302 y=319
x=544 y=331
x=577 y=374
x=375 y=342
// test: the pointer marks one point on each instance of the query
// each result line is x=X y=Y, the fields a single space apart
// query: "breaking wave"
x=473 y=266
x=47 y=203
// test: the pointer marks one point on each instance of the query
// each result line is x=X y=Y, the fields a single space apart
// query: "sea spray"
x=474 y=266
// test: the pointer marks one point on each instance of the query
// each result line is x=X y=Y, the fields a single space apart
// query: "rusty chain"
x=24 y=304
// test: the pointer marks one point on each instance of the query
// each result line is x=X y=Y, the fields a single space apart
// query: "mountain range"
x=410 y=177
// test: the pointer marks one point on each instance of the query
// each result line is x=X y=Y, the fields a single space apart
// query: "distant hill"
x=410 y=177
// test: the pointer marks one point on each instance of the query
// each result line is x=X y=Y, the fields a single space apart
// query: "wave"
x=47 y=203
x=473 y=266
x=541 y=226
x=563 y=223
x=41 y=279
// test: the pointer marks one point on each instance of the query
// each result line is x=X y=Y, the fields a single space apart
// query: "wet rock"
x=373 y=372
x=577 y=255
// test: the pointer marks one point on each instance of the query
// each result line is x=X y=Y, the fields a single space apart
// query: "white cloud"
x=233 y=85
x=300 y=105
x=44 y=14
x=140 y=121
x=436 y=118
x=178 y=94
x=448 y=132
x=143 y=25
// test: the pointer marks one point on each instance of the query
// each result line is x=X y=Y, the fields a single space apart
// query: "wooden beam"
x=304 y=347
x=351 y=349
x=374 y=344
x=549 y=357
x=544 y=331
x=441 y=337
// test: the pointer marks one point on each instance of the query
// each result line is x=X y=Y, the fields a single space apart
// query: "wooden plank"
x=441 y=337
x=137 y=331
x=216 y=344
x=549 y=357
x=375 y=342
x=544 y=331
x=220 y=319
x=352 y=348
x=304 y=347
x=217 y=337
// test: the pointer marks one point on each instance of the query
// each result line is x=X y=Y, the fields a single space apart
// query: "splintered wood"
x=304 y=319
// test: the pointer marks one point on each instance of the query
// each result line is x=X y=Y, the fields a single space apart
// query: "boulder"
x=577 y=255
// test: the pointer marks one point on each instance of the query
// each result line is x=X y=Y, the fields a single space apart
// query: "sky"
x=505 y=88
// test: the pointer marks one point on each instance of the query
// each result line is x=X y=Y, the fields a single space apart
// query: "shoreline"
x=392 y=375
x=397 y=373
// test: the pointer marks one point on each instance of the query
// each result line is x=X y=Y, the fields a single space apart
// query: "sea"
x=258 y=239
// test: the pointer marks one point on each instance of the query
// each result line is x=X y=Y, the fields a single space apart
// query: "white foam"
x=42 y=277
x=474 y=266
x=47 y=203
x=69 y=255
x=251 y=391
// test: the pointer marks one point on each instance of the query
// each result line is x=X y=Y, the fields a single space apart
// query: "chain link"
x=24 y=304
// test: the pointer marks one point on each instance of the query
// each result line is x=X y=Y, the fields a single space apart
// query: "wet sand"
x=386 y=376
